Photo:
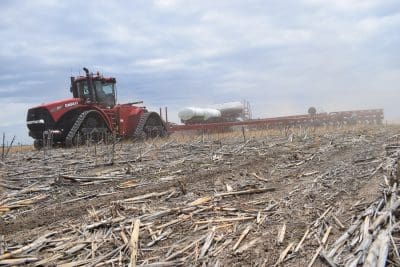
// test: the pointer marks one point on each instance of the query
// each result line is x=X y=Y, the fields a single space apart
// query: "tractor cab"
x=94 y=89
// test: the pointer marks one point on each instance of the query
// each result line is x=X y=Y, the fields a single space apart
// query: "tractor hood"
x=57 y=108
x=60 y=104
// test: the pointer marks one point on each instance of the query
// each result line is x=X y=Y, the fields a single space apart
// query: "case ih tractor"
x=91 y=113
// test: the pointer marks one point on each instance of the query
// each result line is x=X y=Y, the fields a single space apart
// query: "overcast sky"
x=281 y=56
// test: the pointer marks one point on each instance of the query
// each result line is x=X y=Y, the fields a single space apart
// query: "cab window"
x=83 y=90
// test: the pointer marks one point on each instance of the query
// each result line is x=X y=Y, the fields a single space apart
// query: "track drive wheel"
x=150 y=126
x=89 y=126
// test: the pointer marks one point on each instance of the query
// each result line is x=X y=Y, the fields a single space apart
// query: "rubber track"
x=139 y=131
x=75 y=127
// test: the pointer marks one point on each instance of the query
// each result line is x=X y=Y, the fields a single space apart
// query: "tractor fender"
x=103 y=115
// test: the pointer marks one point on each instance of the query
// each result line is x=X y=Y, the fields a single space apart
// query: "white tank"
x=200 y=113
x=230 y=108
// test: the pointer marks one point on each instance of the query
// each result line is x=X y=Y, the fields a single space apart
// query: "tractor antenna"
x=116 y=95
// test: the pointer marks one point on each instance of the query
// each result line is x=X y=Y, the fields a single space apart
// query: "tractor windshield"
x=105 y=93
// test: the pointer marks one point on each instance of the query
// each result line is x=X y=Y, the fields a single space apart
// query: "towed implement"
x=91 y=114
x=314 y=119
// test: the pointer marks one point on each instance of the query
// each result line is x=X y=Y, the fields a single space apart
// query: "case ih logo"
x=67 y=105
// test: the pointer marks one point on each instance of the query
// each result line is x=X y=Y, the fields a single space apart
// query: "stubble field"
x=293 y=197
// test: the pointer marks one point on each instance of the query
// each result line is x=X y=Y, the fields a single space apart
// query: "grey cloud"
x=280 y=55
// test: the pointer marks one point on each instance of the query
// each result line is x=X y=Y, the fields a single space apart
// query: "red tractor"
x=91 y=113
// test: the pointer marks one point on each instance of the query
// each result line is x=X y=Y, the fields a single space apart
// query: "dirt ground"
x=209 y=200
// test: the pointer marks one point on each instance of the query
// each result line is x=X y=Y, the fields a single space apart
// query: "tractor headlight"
x=41 y=121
